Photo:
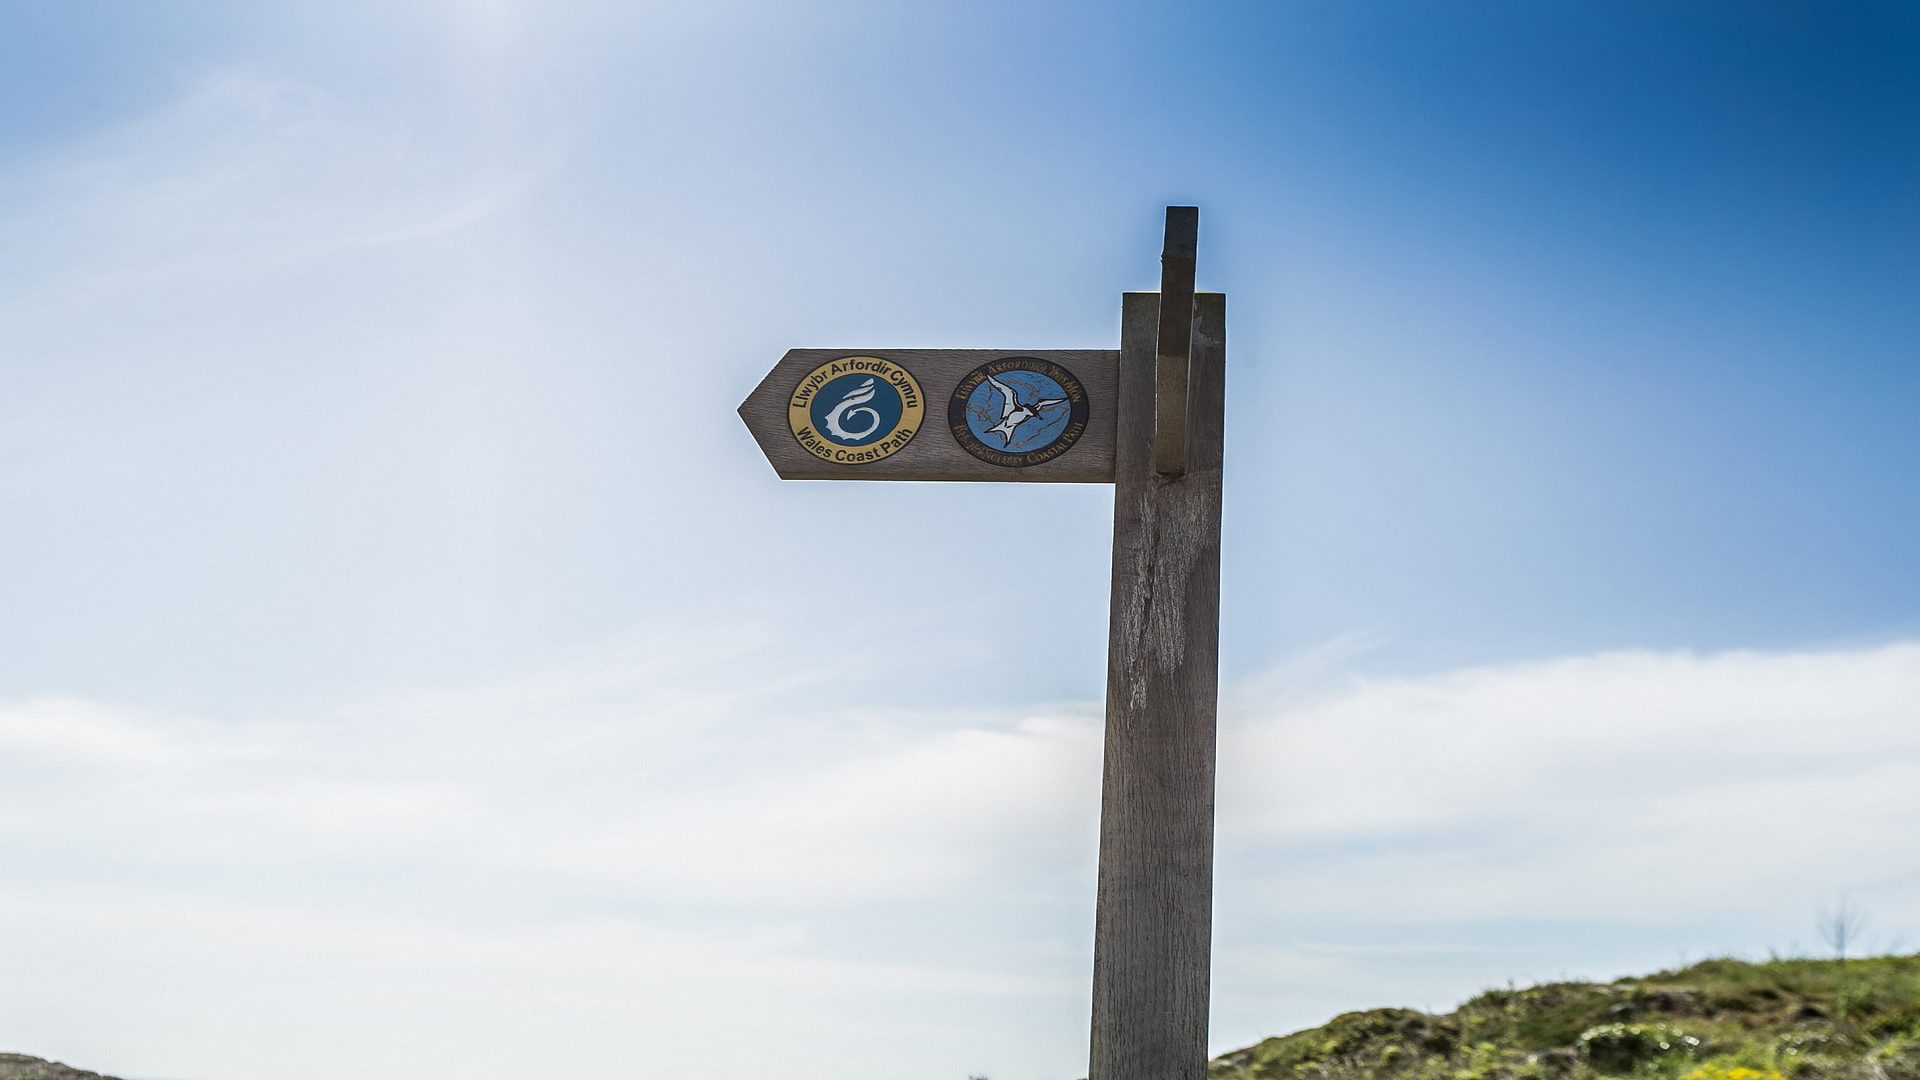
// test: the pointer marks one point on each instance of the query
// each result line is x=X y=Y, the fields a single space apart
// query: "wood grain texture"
x=933 y=454
x=1172 y=355
x=1153 y=929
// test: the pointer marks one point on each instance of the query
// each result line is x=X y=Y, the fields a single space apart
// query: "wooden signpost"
x=1147 y=419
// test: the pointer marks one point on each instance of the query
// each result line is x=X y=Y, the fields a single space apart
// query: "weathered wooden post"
x=1153 y=925
x=1148 y=419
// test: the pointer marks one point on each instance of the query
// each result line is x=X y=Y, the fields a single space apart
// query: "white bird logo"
x=1013 y=414
x=859 y=396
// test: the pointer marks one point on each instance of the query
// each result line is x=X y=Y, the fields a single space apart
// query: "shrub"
x=1619 y=1048
x=1897 y=1058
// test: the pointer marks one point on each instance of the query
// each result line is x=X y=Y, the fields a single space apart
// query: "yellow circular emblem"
x=856 y=410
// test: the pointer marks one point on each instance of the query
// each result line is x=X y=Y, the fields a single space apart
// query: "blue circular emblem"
x=856 y=409
x=1018 y=411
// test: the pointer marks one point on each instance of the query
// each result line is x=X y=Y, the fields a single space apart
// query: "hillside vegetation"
x=22 y=1067
x=1717 y=1020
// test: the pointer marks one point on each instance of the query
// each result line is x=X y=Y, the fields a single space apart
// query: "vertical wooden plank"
x=1153 y=923
x=1175 y=340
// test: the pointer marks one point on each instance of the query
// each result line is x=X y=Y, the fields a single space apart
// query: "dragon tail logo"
x=854 y=402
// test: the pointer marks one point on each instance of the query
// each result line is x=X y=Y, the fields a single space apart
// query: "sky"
x=410 y=667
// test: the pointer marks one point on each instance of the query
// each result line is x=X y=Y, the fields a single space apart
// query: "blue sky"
x=402 y=638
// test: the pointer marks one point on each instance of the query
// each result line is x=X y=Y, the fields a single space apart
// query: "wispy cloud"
x=241 y=176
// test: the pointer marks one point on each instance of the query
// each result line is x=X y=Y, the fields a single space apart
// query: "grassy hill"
x=22 y=1067
x=1717 y=1020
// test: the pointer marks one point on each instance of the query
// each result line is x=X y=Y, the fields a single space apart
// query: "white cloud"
x=65 y=730
x=639 y=832
x=950 y=810
x=1632 y=785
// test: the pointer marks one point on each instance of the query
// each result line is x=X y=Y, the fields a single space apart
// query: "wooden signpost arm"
x=1153 y=928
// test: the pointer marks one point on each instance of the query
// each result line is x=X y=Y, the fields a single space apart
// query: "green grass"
x=1716 y=1020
